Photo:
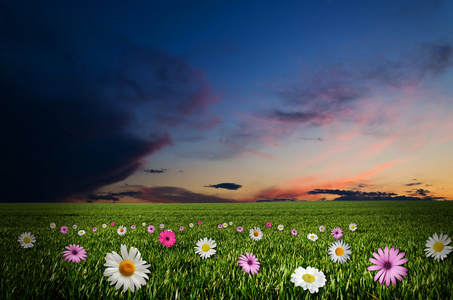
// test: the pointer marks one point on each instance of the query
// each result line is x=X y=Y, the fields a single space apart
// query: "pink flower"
x=133 y=227
x=95 y=229
x=268 y=224
x=113 y=223
x=64 y=229
x=220 y=226
x=249 y=263
x=294 y=232
x=199 y=222
x=388 y=263
x=240 y=229
x=181 y=228
x=74 y=253
x=337 y=233
x=150 y=229
x=167 y=238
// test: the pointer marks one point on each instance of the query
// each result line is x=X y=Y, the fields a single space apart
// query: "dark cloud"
x=157 y=171
x=349 y=195
x=111 y=196
x=421 y=192
x=228 y=186
x=170 y=194
x=74 y=95
x=413 y=183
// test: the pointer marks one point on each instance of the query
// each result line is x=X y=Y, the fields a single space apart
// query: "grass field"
x=41 y=272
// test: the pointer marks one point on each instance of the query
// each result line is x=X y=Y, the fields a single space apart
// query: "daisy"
x=121 y=230
x=205 y=247
x=312 y=237
x=249 y=263
x=95 y=229
x=74 y=226
x=81 y=232
x=181 y=228
x=239 y=229
x=199 y=223
x=280 y=227
x=322 y=228
x=161 y=226
x=337 y=233
x=150 y=229
x=339 y=251
x=437 y=246
x=269 y=224
x=127 y=270
x=74 y=253
x=353 y=226
x=231 y=223
x=143 y=224
x=26 y=240
x=220 y=226
x=309 y=279
x=133 y=227
x=294 y=232
x=52 y=225
x=256 y=234
x=389 y=265
x=64 y=229
x=104 y=225
x=225 y=225
x=113 y=223
x=167 y=238
x=190 y=225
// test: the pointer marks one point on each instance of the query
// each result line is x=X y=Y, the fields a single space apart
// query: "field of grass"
x=41 y=272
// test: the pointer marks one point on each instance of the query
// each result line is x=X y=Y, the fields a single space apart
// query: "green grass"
x=177 y=272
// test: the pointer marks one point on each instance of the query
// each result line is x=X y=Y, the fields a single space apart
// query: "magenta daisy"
x=181 y=228
x=167 y=238
x=269 y=224
x=239 y=229
x=220 y=226
x=64 y=229
x=294 y=232
x=199 y=222
x=113 y=223
x=75 y=253
x=337 y=233
x=150 y=229
x=95 y=229
x=249 y=263
x=389 y=265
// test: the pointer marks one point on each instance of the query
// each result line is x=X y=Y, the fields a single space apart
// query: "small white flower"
x=143 y=224
x=81 y=232
x=205 y=248
x=53 y=226
x=26 y=240
x=353 y=226
x=104 y=225
x=74 y=226
x=322 y=228
x=309 y=279
x=122 y=230
x=339 y=251
x=161 y=226
x=280 y=227
x=231 y=223
x=256 y=234
x=225 y=225
x=312 y=237
x=190 y=225
x=437 y=246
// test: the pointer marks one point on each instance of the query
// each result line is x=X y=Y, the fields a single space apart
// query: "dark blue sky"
x=277 y=99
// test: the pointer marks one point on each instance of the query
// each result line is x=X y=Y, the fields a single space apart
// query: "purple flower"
x=133 y=227
x=337 y=233
x=74 y=253
x=220 y=226
x=64 y=229
x=181 y=228
x=113 y=223
x=199 y=222
x=95 y=229
x=239 y=229
x=150 y=229
x=294 y=232
x=268 y=224
x=249 y=263
x=389 y=265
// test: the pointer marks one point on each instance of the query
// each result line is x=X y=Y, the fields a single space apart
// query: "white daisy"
x=280 y=227
x=122 y=230
x=190 y=225
x=339 y=251
x=312 y=237
x=143 y=224
x=322 y=228
x=26 y=240
x=309 y=279
x=437 y=246
x=353 y=226
x=127 y=270
x=104 y=225
x=205 y=247
x=231 y=223
x=225 y=225
x=81 y=232
x=161 y=226
x=74 y=226
x=256 y=234
x=52 y=225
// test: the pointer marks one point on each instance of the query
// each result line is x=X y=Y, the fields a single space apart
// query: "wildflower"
x=167 y=238
x=26 y=240
x=181 y=228
x=239 y=229
x=161 y=226
x=337 y=233
x=269 y=224
x=312 y=237
x=133 y=227
x=64 y=229
x=322 y=228
x=205 y=247
x=121 y=230
x=199 y=222
x=309 y=279
x=249 y=263
x=280 y=227
x=437 y=246
x=256 y=234
x=339 y=251
x=225 y=225
x=104 y=225
x=52 y=225
x=389 y=265
x=81 y=232
x=75 y=253
x=353 y=226
x=74 y=226
x=294 y=232
x=191 y=225
x=95 y=229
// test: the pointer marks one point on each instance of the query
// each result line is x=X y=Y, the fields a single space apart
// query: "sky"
x=226 y=101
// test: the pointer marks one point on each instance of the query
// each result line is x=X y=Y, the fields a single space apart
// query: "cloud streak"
x=227 y=186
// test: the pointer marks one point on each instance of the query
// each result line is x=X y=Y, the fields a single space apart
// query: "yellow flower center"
x=339 y=251
x=205 y=248
x=127 y=268
x=256 y=233
x=322 y=228
x=352 y=227
x=27 y=240
x=121 y=230
x=308 y=278
x=438 y=246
